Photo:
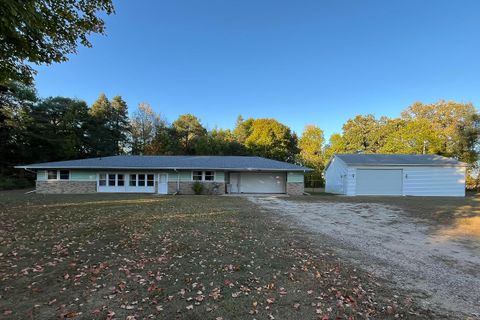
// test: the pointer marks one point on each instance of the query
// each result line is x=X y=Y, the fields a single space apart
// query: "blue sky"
x=300 y=62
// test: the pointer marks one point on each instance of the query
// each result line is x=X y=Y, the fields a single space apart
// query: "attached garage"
x=395 y=175
x=257 y=182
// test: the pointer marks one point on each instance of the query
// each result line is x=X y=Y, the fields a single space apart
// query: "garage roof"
x=240 y=163
x=398 y=160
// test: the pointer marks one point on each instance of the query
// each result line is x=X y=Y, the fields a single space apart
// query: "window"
x=197 y=175
x=141 y=180
x=111 y=180
x=52 y=174
x=150 y=180
x=102 y=179
x=203 y=175
x=120 y=181
x=64 y=174
x=133 y=180
x=209 y=176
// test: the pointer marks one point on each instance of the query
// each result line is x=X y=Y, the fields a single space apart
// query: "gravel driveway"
x=442 y=271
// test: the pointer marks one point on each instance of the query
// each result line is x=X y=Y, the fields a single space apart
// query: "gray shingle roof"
x=172 y=162
x=398 y=160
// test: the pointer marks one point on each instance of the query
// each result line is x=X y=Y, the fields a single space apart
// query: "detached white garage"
x=395 y=175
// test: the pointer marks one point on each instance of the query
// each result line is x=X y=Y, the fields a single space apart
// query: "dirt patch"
x=438 y=262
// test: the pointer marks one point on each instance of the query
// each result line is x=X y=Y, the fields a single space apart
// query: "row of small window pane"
x=118 y=180
x=203 y=175
x=58 y=174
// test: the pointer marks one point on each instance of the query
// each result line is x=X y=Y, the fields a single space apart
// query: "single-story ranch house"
x=169 y=175
x=395 y=175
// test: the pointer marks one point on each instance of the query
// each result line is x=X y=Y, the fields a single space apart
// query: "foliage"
x=44 y=32
x=311 y=147
x=109 y=126
x=197 y=187
x=188 y=130
x=271 y=139
x=144 y=125
x=12 y=183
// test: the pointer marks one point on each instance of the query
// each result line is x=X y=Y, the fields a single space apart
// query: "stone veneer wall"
x=295 y=188
x=56 y=186
x=186 y=187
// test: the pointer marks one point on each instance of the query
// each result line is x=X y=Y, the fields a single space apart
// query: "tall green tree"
x=119 y=123
x=16 y=103
x=44 y=32
x=109 y=126
x=272 y=139
x=58 y=129
x=188 y=130
x=336 y=145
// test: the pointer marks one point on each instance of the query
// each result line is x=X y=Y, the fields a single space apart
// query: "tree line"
x=34 y=129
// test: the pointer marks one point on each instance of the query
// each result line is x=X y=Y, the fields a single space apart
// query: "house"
x=395 y=175
x=169 y=175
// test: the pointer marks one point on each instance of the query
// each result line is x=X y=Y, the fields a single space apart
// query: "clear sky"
x=301 y=62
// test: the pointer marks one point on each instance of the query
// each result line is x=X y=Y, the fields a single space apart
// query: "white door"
x=262 y=182
x=386 y=182
x=162 y=183
x=234 y=182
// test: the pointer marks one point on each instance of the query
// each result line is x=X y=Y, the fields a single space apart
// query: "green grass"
x=184 y=257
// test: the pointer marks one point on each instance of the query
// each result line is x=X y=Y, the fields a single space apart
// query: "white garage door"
x=379 y=182
x=262 y=182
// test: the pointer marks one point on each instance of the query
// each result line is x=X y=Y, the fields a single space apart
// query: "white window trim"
x=203 y=176
x=126 y=179
x=58 y=175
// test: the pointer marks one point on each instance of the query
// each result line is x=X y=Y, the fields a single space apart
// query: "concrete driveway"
x=439 y=263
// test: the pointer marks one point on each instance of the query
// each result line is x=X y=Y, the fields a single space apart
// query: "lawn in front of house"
x=107 y=256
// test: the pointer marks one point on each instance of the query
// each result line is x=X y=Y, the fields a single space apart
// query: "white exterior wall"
x=434 y=181
x=335 y=175
x=416 y=181
x=421 y=181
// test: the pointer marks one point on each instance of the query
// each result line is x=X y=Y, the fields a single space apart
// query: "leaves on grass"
x=105 y=257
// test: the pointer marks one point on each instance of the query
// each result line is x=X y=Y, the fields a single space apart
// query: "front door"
x=162 y=183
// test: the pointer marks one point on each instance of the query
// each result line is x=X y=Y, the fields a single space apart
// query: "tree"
x=119 y=123
x=109 y=126
x=188 y=130
x=447 y=118
x=360 y=134
x=336 y=145
x=219 y=142
x=243 y=128
x=44 y=32
x=272 y=139
x=58 y=129
x=311 y=147
x=144 y=126
x=414 y=137
x=15 y=107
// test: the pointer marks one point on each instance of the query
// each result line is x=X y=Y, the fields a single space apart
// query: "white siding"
x=434 y=181
x=334 y=176
x=350 y=181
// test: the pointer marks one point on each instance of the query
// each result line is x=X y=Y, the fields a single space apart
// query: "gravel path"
x=443 y=272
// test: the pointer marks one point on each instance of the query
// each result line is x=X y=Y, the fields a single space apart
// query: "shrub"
x=10 y=183
x=197 y=187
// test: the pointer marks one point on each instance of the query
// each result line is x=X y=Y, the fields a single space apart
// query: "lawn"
x=184 y=257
